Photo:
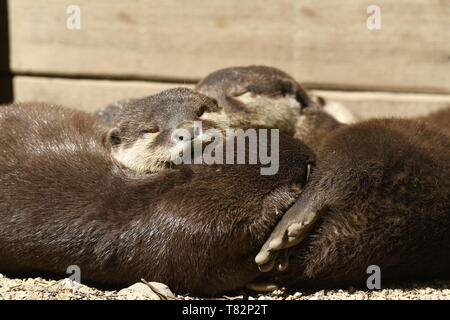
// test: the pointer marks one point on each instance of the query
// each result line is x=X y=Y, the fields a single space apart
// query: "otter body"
x=379 y=195
x=64 y=201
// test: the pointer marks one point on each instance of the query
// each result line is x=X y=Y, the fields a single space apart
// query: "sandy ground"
x=38 y=288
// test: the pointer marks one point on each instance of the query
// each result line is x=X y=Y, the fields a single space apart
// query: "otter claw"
x=266 y=267
x=283 y=262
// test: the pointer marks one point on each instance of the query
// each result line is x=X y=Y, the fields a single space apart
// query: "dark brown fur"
x=383 y=186
x=382 y=189
x=439 y=119
x=64 y=201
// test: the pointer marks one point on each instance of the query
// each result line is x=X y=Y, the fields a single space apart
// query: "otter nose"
x=185 y=132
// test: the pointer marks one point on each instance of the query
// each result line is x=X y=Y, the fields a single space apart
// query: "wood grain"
x=321 y=42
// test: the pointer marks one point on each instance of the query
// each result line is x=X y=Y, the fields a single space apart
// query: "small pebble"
x=44 y=289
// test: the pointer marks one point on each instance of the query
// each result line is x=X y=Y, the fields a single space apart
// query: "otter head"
x=256 y=95
x=151 y=130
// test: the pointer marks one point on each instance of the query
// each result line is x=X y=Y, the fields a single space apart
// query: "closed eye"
x=240 y=92
x=200 y=111
x=149 y=130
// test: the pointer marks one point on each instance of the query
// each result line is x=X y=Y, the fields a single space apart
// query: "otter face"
x=256 y=96
x=152 y=130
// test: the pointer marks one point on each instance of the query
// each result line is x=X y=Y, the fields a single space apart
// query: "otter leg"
x=295 y=225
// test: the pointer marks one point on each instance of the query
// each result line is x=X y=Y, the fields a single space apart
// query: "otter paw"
x=290 y=231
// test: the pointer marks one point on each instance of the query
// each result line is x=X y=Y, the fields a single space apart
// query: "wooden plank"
x=87 y=95
x=411 y=51
x=321 y=42
x=90 y=95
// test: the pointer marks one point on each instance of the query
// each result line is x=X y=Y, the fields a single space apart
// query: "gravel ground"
x=38 y=288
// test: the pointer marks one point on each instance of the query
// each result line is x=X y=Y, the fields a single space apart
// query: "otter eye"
x=152 y=129
x=201 y=110
x=240 y=92
x=114 y=137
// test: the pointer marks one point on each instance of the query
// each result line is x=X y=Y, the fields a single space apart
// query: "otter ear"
x=321 y=100
x=213 y=106
x=209 y=106
x=290 y=86
x=114 y=137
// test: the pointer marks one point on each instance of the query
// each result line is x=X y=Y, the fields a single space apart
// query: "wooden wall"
x=129 y=49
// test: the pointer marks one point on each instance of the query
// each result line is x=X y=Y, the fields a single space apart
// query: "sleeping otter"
x=266 y=96
x=64 y=201
x=148 y=132
x=378 y=195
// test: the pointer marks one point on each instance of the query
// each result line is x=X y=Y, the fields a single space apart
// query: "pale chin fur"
x=141 y=159
x=276 y=112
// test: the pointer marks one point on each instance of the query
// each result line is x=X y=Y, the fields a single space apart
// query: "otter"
x=256 y=95
x=379 y=194
x=65 y=201
x=266 y=96
x=150 y=131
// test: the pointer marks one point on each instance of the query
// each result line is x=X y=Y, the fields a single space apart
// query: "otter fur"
x=381 y=189
x=65 y=201
x=379 y=194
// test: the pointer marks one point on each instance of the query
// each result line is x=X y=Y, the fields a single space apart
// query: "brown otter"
x=379 y=195
x=262 y=95
x=256 y=95
x=64 y=201
x=149 y=131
